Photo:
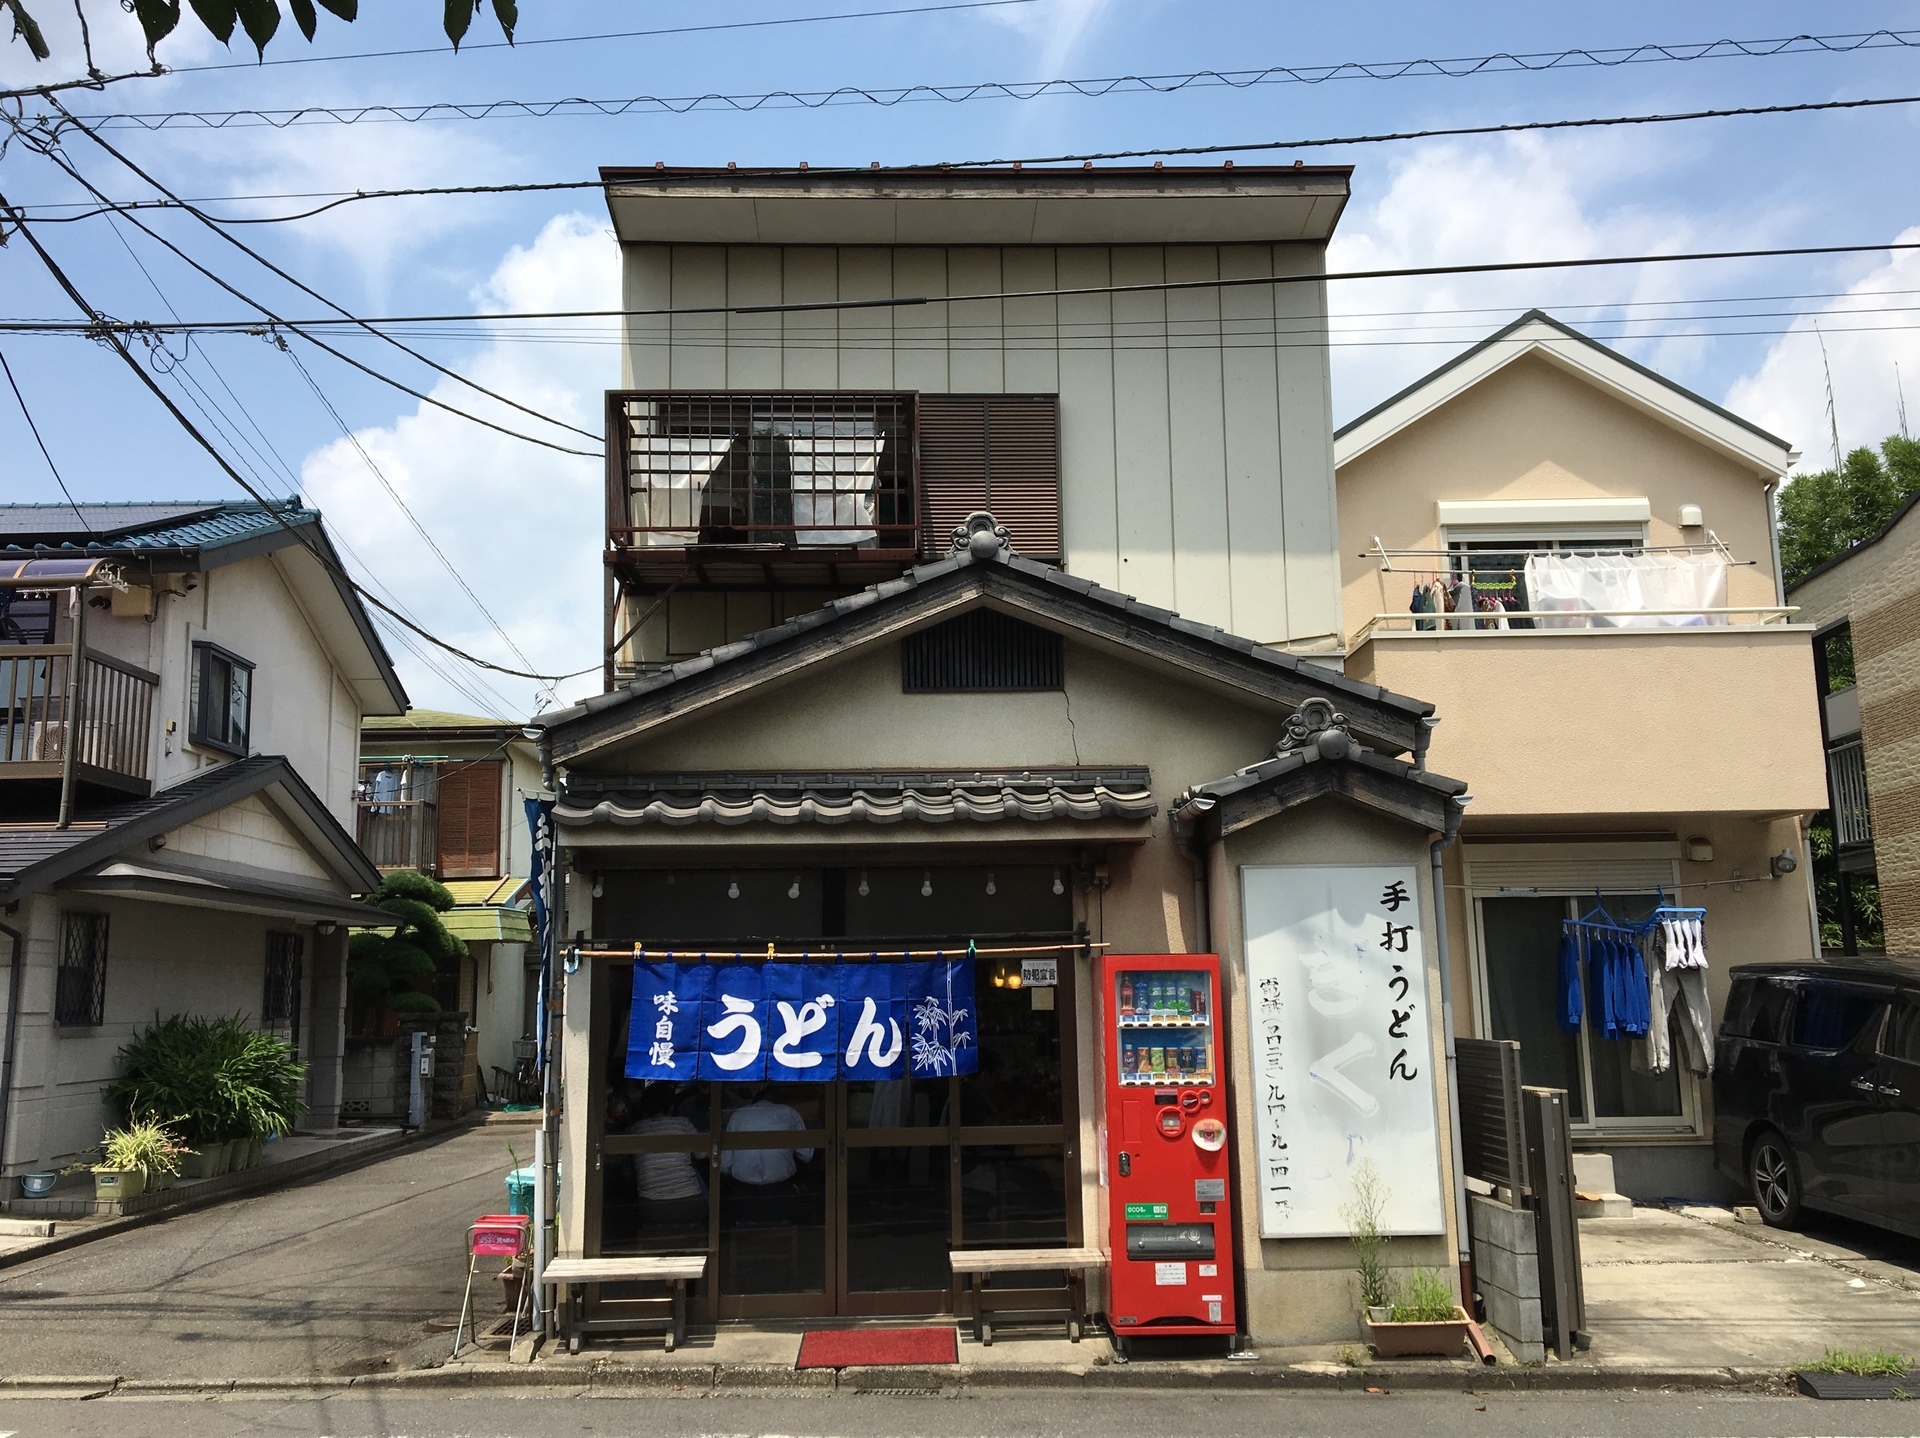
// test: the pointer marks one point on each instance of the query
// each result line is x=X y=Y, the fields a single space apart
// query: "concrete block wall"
x=1506 y=1264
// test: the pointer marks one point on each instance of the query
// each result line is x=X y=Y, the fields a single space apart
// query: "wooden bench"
x=1070 y=1303
x=676 y=1270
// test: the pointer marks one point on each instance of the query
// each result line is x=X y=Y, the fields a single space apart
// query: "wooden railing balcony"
x=107 y=722
x=399 y=833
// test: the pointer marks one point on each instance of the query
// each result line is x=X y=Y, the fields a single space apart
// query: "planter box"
x=117 y=1185
x=1444 y=1339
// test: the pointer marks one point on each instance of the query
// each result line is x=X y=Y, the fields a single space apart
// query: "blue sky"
x=501 y=509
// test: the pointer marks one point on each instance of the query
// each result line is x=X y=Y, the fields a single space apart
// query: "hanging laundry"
x=1572 y=1001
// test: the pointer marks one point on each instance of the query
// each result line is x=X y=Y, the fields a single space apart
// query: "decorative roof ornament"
x=981 y=535
x=1318 y=726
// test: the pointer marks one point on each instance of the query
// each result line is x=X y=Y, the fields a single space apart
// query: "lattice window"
x=280 y=1003
x=80 y=997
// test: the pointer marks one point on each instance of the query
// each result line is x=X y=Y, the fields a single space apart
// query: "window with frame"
x=80 y=984
x=280 y=1003
x=1495 y=565
x=222 y=700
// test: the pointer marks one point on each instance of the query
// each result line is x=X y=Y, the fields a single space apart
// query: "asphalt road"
x=338 y=1276
x=1033 y=1415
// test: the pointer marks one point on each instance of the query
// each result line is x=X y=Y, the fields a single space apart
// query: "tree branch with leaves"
x=259 y=20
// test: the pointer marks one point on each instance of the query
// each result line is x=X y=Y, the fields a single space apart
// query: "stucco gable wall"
x=1534 y=431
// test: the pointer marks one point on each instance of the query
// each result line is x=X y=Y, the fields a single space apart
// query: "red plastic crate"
x=498 y=1235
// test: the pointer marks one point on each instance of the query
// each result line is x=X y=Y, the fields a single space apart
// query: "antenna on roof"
x=1900 y=395
x=1833 y=418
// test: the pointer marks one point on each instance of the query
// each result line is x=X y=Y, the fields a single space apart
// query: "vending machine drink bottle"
x=1171 y=1215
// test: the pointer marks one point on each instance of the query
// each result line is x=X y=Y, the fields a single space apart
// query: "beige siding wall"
x=1534 y=431
x=1195 y=452
x=1878 y=589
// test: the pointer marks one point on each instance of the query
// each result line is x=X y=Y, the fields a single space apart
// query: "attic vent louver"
x=981 y=652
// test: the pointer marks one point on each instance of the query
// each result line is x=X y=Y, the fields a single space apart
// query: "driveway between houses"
x=335 y=1277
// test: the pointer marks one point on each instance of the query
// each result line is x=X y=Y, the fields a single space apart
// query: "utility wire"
x=104 y=326
x=45 y=454
x=336 y=199
x=521 y=42
x=299 y=328
x=119 y=347
x=394 y=494
x=312 y=293
x=955 y=94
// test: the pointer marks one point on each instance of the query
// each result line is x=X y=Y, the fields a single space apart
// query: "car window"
x=1831 y=1016
x=1766 y=1006
x=1902 y=1040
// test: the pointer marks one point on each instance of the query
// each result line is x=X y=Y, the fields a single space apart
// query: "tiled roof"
x=434 y=719
x=206 y=525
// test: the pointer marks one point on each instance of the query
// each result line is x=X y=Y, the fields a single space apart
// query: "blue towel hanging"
x=1572 y=999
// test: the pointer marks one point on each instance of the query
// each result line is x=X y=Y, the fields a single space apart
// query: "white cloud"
x=522 y=524
x=1058 y=27
x=1866 y=335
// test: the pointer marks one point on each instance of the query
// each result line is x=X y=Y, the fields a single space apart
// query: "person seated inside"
x=764 y=1168
x=672 y=1193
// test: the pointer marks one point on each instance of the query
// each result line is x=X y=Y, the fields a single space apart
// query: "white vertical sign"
x=1340 y=1046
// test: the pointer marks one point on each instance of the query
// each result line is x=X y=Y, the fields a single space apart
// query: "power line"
x=299 y=328
x=103 y=326
x=335 y=199
x=523 y=43
x=955 y=94
x=45 y=454
x=308 y=290
x=119 y=347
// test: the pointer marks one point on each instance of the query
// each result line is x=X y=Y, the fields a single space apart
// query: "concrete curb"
x=357 y=1157
x=601 y=1379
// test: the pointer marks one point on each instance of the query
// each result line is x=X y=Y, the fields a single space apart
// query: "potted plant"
x=1369 y=1244
x=1425 y=1322
x=228 y=1083
x=146 y=1147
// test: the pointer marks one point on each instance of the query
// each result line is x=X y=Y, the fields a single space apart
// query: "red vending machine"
x=1171 y=1215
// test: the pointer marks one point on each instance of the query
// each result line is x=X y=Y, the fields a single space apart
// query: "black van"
x=1816 y=1089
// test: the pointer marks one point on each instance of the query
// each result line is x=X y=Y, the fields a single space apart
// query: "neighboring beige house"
x=444 y=793
x=1865 y=606
x=1632 y=754
x=892 y=666
x=176 y=816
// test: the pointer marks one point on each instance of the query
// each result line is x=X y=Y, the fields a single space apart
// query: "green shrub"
x=145 y=1144
x=1426 y=1297
x=216 y=1079
x=383 y=969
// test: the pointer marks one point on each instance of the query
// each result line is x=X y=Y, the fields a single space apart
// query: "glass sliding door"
x=1607 y=1085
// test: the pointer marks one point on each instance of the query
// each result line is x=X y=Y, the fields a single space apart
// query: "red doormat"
x=877 y=1347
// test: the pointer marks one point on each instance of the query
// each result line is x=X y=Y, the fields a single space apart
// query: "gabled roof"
x=991 y=574
x=437 y=723
x=1537 y=332
x=1323 y=759
x=186 y=537
x=33 y=856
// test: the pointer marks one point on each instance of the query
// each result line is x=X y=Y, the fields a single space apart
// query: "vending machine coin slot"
x=1126 y=1164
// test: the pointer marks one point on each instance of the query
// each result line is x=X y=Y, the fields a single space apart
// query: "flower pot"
x=1379 y=1313
x=239 y=1153
x=158 y=1179
x=256 y=1150
x=117 y=1185
x=38 y=1185
x=201 y=1162
x=224 y=1154
x=1443 y=1339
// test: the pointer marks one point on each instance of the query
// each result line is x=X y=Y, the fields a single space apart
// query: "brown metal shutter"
x=470 y=820
x=1000 y=453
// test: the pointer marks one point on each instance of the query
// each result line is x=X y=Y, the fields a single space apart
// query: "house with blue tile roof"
x=182 y=687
